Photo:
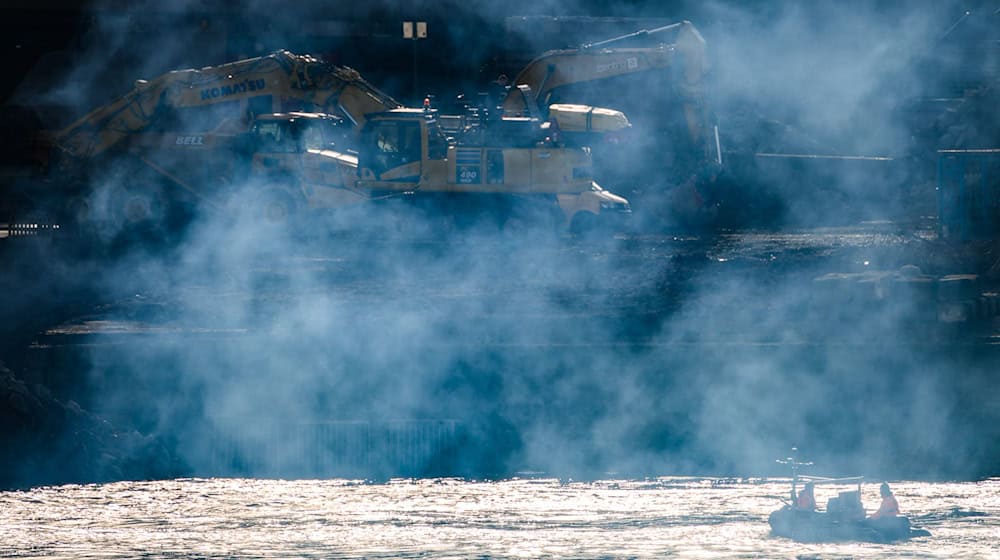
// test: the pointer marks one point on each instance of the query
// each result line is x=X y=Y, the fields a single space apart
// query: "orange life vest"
x=806 y=501
x=888 y=508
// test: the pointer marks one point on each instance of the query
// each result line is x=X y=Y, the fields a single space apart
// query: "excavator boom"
x=657 y=78
x=684 y=56
x=231 y=89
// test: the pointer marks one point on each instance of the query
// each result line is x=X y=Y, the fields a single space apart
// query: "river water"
x=449 y=518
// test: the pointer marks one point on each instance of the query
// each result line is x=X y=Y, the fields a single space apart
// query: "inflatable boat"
x=843 y=520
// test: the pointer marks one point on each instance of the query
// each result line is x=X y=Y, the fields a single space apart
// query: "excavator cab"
x=301 y=160
x=298 y=132
x=393 y=149
x=396 y=147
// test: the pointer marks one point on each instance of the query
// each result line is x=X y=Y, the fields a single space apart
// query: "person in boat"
x=889 y=506
x=806 y=500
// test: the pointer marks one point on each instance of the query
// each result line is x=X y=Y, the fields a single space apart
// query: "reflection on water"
x=447 y=518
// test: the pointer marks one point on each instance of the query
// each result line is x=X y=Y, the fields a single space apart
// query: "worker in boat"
x=806 y=500
x=889 y=506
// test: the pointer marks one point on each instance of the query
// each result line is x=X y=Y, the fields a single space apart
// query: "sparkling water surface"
x=450 y=518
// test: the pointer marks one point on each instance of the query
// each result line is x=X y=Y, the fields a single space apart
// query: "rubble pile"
x=46 y=441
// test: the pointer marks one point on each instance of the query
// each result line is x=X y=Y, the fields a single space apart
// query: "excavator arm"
x=682 y=54
x=281 y=75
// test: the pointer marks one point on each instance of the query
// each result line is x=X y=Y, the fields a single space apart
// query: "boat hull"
x=815 y=526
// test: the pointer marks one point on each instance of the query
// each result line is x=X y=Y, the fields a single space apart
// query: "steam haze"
x=567 y=356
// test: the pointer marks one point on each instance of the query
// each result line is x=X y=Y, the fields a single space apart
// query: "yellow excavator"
x=224 y=99
x=173 y=141
x=675 y=141
x=518 y=178
x=511 y=169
